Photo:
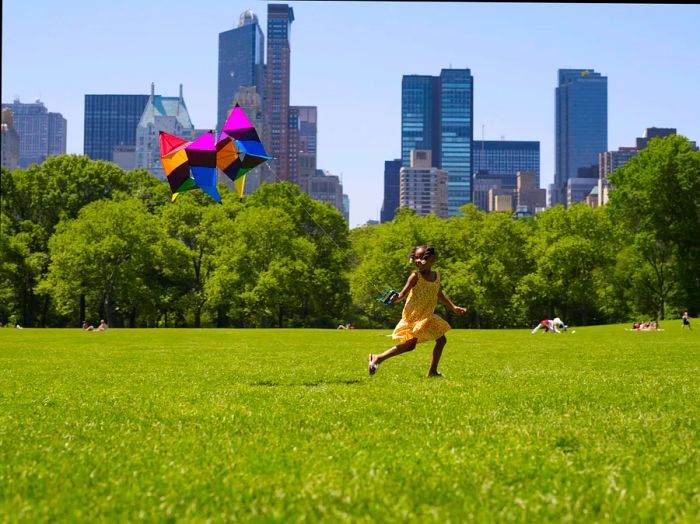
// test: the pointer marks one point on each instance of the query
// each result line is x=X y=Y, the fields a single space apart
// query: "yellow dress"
x=418 y=319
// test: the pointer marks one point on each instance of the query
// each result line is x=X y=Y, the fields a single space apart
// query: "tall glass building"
x=581 y=127
x=437 y=115
x=241 y=63
x=111 y=120
x=392 y=177
x=277 y=75
x=504 y=158
x=418 y=116
x=456 y=130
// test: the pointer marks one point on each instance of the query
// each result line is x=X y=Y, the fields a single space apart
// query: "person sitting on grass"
x=103 y=326
x=418 y=321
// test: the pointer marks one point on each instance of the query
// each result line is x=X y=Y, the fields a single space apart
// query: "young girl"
x=418 y=322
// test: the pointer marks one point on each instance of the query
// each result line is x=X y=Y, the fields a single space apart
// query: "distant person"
x=547 y=325
x=419 y=323
x=558 y=324
x=103 y=326
x=686 y=321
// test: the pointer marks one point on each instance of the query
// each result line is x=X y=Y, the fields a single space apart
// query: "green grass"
x=286 y=425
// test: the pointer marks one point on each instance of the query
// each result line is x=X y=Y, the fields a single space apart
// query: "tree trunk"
x=221 y=320
x=82 y=308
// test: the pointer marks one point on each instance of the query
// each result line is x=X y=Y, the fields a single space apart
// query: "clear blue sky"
x=348 y=59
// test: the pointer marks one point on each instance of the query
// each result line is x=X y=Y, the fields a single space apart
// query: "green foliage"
x=279 y=258
x=298 y=244
x=190 y=248
x=106 y=255
x=656 y=204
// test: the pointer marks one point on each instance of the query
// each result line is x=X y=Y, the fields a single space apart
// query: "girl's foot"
x=436 y=374
x=372 y=366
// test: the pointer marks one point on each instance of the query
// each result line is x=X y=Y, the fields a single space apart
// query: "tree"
x=265 y=272
x=106 y=255
x=325 y=227
x=38 y=198
x=655 y=200
x=570 y=249
x=195 y=227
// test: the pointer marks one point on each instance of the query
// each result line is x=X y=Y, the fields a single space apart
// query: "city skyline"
x=348 y=59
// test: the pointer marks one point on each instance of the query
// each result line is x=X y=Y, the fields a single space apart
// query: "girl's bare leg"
x=437 y=354
x=396 y=350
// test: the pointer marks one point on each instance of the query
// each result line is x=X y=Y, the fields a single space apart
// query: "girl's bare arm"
x=446 y=300
x=409 y=284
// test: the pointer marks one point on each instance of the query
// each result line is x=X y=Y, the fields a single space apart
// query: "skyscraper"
x=504 y=158
x=581 y=128
x=303 y=137
x=110 y=122
x=279 y=23
x=241 y=63
x=419 y=116
x=40 y=132
x=437 y=115
x=392 y=187
x=327 y=188
x=456 y=133
x=293 y=146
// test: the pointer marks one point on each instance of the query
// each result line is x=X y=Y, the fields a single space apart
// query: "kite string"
x=322 y=229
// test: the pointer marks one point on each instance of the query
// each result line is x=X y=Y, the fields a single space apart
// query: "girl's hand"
x=459 y=310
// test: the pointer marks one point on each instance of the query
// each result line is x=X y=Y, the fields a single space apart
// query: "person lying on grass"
x=418 y=321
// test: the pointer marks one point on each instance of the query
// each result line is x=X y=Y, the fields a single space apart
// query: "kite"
x=190 y=165
x=389 y=296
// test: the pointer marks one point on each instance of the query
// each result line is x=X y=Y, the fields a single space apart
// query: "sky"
x=348 y=59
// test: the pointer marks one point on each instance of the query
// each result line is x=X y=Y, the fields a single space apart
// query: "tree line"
x=83 y=239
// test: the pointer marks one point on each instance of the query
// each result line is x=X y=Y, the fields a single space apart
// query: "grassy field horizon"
x=286 y=425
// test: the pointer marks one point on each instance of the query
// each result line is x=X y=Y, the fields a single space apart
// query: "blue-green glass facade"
x=504 y=158
x=456 y=130
x=581 y=126
x=437 y=114
x=418 y=115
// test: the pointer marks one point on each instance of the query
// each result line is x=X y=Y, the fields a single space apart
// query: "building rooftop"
x=165 y=106
x=247 y=17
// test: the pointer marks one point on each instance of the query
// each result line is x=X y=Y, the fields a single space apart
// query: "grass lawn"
x=286 y=425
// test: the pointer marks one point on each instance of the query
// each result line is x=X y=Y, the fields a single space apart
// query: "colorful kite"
x=189 y=165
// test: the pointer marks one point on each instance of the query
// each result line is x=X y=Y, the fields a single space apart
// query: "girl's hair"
x=429 y=251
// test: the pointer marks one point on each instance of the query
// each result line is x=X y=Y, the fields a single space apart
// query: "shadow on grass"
x=308 y=383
